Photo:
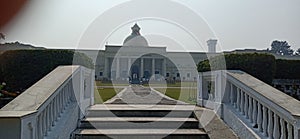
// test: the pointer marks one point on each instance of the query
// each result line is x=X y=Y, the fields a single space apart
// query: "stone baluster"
x=276 y=127
x=259 y=117
x=254 y=114
x=270 y=124
x=242 y=102
x=265 y=121
x=40 y=127
x=48 y=118
x=45 y=122
x=238 y=99
x=51 y=115
x=61 y=102
x=231 y=94
x=57 y=107
x=246 y=105
x=283 y=129
x=63 y=99
x=54 y=110
x=290 y=131
x=250 y=110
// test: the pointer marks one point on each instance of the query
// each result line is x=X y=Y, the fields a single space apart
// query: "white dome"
x=135 y=39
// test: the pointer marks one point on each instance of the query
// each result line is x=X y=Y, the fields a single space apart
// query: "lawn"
x=104 y=94
x=177 y=84
x=187 y=95
x=99 y=83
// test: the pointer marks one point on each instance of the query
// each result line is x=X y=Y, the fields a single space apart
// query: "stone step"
x=138 y=123
x=140 y=134
x=112 y=110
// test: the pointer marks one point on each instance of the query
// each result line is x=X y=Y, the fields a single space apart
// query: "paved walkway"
x=136 y=94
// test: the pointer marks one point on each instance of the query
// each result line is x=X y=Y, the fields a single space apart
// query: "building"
x=135 y=60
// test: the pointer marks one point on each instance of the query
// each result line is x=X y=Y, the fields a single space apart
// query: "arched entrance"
x=135 y=74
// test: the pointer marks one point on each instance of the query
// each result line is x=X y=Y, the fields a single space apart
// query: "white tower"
x=212 y=43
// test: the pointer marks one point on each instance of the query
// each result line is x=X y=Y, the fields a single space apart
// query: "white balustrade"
x=53 y=96
x=254 y=101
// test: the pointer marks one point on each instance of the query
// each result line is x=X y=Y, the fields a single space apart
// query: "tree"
x=281 y=48
x=298 y=52
x=2 y=36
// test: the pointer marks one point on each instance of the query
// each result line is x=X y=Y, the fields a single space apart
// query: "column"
x=106 y=68
x=129 y=66
x=153 y=67
x=164 y=64
x=118 y=68
x=142 y=68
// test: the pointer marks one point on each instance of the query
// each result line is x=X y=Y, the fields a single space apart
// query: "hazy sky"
x=236 y=24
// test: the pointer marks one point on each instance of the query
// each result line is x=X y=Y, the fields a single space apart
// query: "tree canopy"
x=281 y=48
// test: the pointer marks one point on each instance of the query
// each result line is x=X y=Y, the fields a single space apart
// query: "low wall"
x=51 y=107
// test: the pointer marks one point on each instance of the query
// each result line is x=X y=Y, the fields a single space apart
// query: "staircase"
x=139 y=121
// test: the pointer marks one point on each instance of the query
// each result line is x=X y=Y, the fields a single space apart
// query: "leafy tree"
x=298 y=52
x=2 y=36
x=281 y=48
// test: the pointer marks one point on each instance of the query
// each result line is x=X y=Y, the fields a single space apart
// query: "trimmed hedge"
x=287 y=69
x=22 y=68
x=261 y=66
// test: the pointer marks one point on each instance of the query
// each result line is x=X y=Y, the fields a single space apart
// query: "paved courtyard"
x=137 y=94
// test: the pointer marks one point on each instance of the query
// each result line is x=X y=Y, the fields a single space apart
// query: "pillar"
x=142 y=68
x=118 y=68
x=106 y=67
x=164 y=64
x=129 y=66
x=153 y=67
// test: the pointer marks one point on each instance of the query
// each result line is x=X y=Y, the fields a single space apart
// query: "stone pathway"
x=136 y=94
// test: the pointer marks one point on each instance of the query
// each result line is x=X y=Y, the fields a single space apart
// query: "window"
x=101 y=74
x=168 y=75
x=178 y=74
x=156 y=72
x=188 y=75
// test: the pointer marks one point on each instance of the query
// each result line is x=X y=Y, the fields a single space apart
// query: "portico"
x=122 y=68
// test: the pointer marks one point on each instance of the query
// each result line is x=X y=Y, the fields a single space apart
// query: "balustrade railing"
x=50 y=103
x=267 y=111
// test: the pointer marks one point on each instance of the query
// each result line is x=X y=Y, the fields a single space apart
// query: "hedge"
x=22 y=68
x=261 y=66
x=287 y=69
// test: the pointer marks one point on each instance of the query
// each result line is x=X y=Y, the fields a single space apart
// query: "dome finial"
x=135 y=29
x=135 y=39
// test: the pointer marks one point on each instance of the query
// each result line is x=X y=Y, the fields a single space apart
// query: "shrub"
x=22 y=68
x=261 y=66
x=287 y=69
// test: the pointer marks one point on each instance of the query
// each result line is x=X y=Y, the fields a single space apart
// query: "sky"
x=176 y=24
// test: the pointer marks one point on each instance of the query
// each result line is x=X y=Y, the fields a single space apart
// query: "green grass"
x=104 y=94
x=187 y=95
x=177 y=84
x=99 y=83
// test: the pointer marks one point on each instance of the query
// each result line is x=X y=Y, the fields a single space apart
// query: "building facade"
x=136 y=61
